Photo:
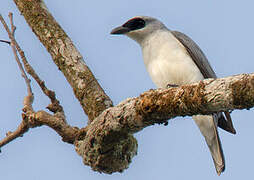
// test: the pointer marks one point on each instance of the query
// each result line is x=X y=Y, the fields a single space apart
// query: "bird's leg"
x=172 y=85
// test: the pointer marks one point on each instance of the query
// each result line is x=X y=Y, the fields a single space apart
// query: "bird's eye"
x=134 y=24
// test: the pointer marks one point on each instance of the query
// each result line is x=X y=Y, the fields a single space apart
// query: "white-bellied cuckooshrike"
x=173 y=59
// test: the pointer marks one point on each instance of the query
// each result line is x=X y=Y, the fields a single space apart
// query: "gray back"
x=196 y=54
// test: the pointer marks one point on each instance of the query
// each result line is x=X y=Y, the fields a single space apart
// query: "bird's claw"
x=172 y=85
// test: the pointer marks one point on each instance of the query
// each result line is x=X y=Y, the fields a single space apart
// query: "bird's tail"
x=226 y=123
x=208 y=128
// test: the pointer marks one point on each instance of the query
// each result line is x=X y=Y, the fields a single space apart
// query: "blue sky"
x=223 y=30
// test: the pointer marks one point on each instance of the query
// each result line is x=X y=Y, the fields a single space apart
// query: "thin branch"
x=37 y=119
x=8 y=42
x=10 y=136
x=13 y=28
x=28 y=100
x=55 y=105
x=11 y=36
x=31 y=119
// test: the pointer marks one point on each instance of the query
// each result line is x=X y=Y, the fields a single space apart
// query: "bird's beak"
x=120 y=30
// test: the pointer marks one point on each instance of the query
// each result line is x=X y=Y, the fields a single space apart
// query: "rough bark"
x=66 y=56
x=106 y=139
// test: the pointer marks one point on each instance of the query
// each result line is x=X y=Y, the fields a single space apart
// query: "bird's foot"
x=172 y=85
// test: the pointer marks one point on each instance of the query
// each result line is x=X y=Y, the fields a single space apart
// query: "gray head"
x=139 y=28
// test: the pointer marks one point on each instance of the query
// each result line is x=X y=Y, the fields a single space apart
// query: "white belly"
x=164 y=72
x=168 y=62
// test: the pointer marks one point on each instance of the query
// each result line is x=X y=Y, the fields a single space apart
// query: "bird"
x=173 y=59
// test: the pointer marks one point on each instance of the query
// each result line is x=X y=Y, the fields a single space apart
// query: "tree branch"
x=8 y=42
x=36 y=119
x=65 y=55
x=107 y=136
x=10 y=136
x=55 y=105
x=31 y=119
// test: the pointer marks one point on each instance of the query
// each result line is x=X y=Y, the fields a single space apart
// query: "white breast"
x=168 y=62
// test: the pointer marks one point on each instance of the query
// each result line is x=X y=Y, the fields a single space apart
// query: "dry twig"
x=30 y=118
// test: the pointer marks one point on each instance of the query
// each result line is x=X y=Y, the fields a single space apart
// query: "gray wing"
x=196 y=54
x=204 y=66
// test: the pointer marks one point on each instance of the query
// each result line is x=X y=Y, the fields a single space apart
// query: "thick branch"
x=206 y=97
x=65 y=55
x=107 y=132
